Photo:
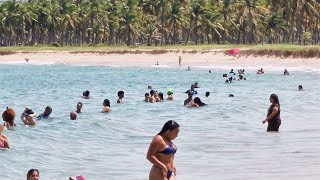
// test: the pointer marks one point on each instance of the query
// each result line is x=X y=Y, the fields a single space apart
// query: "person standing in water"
x=273 y=116
x=161 y=152
x=180 y=59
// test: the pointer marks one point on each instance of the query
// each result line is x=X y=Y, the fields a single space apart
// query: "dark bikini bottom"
x=169 y=174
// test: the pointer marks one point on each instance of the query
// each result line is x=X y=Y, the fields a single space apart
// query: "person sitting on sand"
x=33 y=174
x=197 y=102
x=152 y=99
x=28 y=117
x=300 y=88
x=120 y=97
x=45 y=114
x=286 y=72
x=8 y=117
x=4 y=142
x=79 y=107
x=73 y=115
x=146 y=97
x=189 y=100
x=106 y=106
x=86 y=94
x=170 y=95
x=207 y=94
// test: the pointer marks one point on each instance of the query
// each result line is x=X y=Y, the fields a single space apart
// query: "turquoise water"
x=225 y=140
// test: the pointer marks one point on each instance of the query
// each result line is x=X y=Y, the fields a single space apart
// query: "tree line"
x=158 y=22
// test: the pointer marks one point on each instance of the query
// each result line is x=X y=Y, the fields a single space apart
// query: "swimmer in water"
x=273 y=116
x=231 y=95
x=149 y=87
x=286 y=72
x=33 y=174
x=4 y=142
x=86 y=94
x=170 y=95
x=120 y=97
x=152 y=99
x=207 y=94
x=73 y=115
x=45 y=114
x=160 y=97
x=146 y=97
x=28 y=117
x=8 y=117
x=189 y=69
x=300 y=88
x=196 y=85
x=79 y=107
x=197 y=102
x=189 y=100
x=106 y=106
x=161 y=152
x=209 y=71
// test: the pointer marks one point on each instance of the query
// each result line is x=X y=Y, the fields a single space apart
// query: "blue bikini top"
x=169 y=149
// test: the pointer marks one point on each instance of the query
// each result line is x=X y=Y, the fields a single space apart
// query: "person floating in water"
x=273 y=116
x=86 y=94
x=79 y=107
x=189 y=69
x=161 y=152
x=180 y=59
x=106 y=106
x=73 y=115
x=146 y=97
x=45 y=114
x=286 y=72
x=8 y=117
x=170 y=95
x=300 y=88
x=120 y=96
x=197 y=102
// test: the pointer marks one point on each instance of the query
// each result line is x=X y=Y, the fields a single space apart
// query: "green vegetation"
x=90 y=23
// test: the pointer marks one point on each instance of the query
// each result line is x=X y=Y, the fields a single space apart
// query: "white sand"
x=209 y=60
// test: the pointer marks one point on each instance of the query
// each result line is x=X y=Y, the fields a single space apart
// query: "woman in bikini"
x=4 y=143
x=161 y=153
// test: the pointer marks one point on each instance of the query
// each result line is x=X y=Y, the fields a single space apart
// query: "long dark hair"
x=275 y=97
x=198 y=101
x=106 y=102
x=31 y=171
x=169 y=125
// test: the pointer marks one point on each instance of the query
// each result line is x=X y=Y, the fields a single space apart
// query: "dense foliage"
x=159 y=22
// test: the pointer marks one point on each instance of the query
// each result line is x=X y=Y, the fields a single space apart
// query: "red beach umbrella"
x=234 y=51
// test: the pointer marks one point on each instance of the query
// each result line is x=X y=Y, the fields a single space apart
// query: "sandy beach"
x=200 y=59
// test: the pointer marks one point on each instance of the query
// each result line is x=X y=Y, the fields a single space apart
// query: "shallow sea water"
x=225 y=140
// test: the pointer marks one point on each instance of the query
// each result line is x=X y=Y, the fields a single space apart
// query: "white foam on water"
x=36 y=63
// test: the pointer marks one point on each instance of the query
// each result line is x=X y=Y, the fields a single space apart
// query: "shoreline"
x=190 y=57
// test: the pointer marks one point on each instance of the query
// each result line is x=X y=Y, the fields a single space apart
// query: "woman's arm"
x=6 y=142
x=153 y=150
x=274 y=112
